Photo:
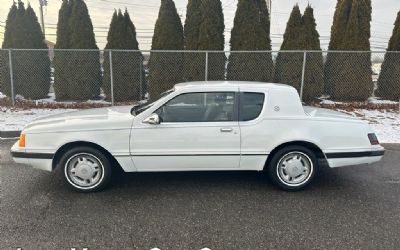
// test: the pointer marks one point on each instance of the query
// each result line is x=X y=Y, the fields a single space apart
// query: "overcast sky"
x=144 y=14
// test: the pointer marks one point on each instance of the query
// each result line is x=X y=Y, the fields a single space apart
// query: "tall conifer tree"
x=250 y=32
x=194 y=62
x=348 y=75
x=128 y=74
x=86 y=80
x=36 y=63
x=338 y=29
x=204 y=30
x=166 y=67
x=212 y=38
x=75 y=31
x=5 y=85
x=314 y=71
x=389 y=81
x=31 y=69
x=62 y=59
x=289 y=65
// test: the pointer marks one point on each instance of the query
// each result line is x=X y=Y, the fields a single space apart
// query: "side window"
x=251 y=105
x=199 y=107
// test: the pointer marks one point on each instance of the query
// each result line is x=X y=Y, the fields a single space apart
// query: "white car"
x=200 y=126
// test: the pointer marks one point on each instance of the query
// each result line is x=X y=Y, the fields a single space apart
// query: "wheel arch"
x=316 y=149
x=60 y=152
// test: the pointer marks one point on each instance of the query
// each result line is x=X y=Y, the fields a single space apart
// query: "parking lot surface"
x=348 y=208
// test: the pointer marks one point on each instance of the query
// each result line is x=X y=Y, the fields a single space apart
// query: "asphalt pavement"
x=347 y=208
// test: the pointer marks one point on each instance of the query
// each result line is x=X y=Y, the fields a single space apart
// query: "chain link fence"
x=116 y=77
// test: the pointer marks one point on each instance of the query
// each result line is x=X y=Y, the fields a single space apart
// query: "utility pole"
x=269 y=6
x=42 y=3
x=270 y=9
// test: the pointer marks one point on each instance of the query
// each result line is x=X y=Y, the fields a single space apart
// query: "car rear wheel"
x=86 y=169
x=293 y=168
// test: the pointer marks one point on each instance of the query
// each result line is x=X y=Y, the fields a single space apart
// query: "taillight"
x=373 y=139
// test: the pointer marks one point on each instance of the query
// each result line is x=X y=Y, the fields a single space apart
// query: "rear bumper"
x=342 y=159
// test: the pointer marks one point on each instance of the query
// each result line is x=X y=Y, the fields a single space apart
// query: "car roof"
x=240 y=84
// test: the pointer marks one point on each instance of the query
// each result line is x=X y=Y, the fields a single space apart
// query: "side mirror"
x=153 y=119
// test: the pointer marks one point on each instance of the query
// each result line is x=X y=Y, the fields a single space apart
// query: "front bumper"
x=38 y=160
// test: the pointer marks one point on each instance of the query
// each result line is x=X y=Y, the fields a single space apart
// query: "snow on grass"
x=52 y=99
x=329 y=102
x=385 y=123
x=379 y=101
x=16 y=119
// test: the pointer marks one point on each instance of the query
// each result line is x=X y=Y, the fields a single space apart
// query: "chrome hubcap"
x=295 y=168
x=84 y=170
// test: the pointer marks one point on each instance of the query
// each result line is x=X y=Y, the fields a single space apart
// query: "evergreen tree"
x=9 y=32
x=388 y=82
x=5 y=85
x=132 y=43
x=211 y=37
x=340 y=19
x=250 y=32
x=192 y=24
x=86 y=80
x=31 y=69
x=289 y=65
x=355 y=76
x=166 y=67
x=128 y=75
x=36 y=83
x=348 y=75
x=75 y=31
x=62 y=59
x=314 y=71
x=194 y=62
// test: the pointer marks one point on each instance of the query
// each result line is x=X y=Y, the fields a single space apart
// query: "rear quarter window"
x=251 y=105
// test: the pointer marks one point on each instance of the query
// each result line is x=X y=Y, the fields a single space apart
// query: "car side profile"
x=200 y=126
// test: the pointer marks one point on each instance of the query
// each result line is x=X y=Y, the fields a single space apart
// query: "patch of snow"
x=16 y=119
x=99 y=101
x=329 y=102
x=2 y=95
x=52 y=99
x=19 y=98
x=379 y=101
x=385 y=123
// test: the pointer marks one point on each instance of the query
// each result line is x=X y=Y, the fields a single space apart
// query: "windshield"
x=136 y=110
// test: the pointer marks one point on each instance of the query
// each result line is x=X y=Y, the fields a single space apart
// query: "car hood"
x=99 y=118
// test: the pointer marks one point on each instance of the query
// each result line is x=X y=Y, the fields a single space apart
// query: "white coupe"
x=200 y=126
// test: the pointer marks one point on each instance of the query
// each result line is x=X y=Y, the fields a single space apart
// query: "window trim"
x=240 y=109
x=235 y=106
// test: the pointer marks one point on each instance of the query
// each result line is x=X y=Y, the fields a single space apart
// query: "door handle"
x=226 y=130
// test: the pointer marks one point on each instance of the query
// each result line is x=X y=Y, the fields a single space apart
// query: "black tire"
x=279 y=174
x=73 y=161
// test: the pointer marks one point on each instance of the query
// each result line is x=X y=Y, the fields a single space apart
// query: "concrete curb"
x=391 y=146
x=9 y=134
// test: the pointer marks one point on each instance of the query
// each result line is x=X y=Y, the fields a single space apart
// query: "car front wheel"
x=293 y=168
x=86 y=169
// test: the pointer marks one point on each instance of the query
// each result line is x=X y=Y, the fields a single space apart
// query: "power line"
x=127 y=4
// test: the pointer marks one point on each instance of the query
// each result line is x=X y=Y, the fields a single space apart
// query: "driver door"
x=197 y=131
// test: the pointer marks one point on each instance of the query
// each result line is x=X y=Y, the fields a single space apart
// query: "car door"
x=197 y=131
x=255 y=131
